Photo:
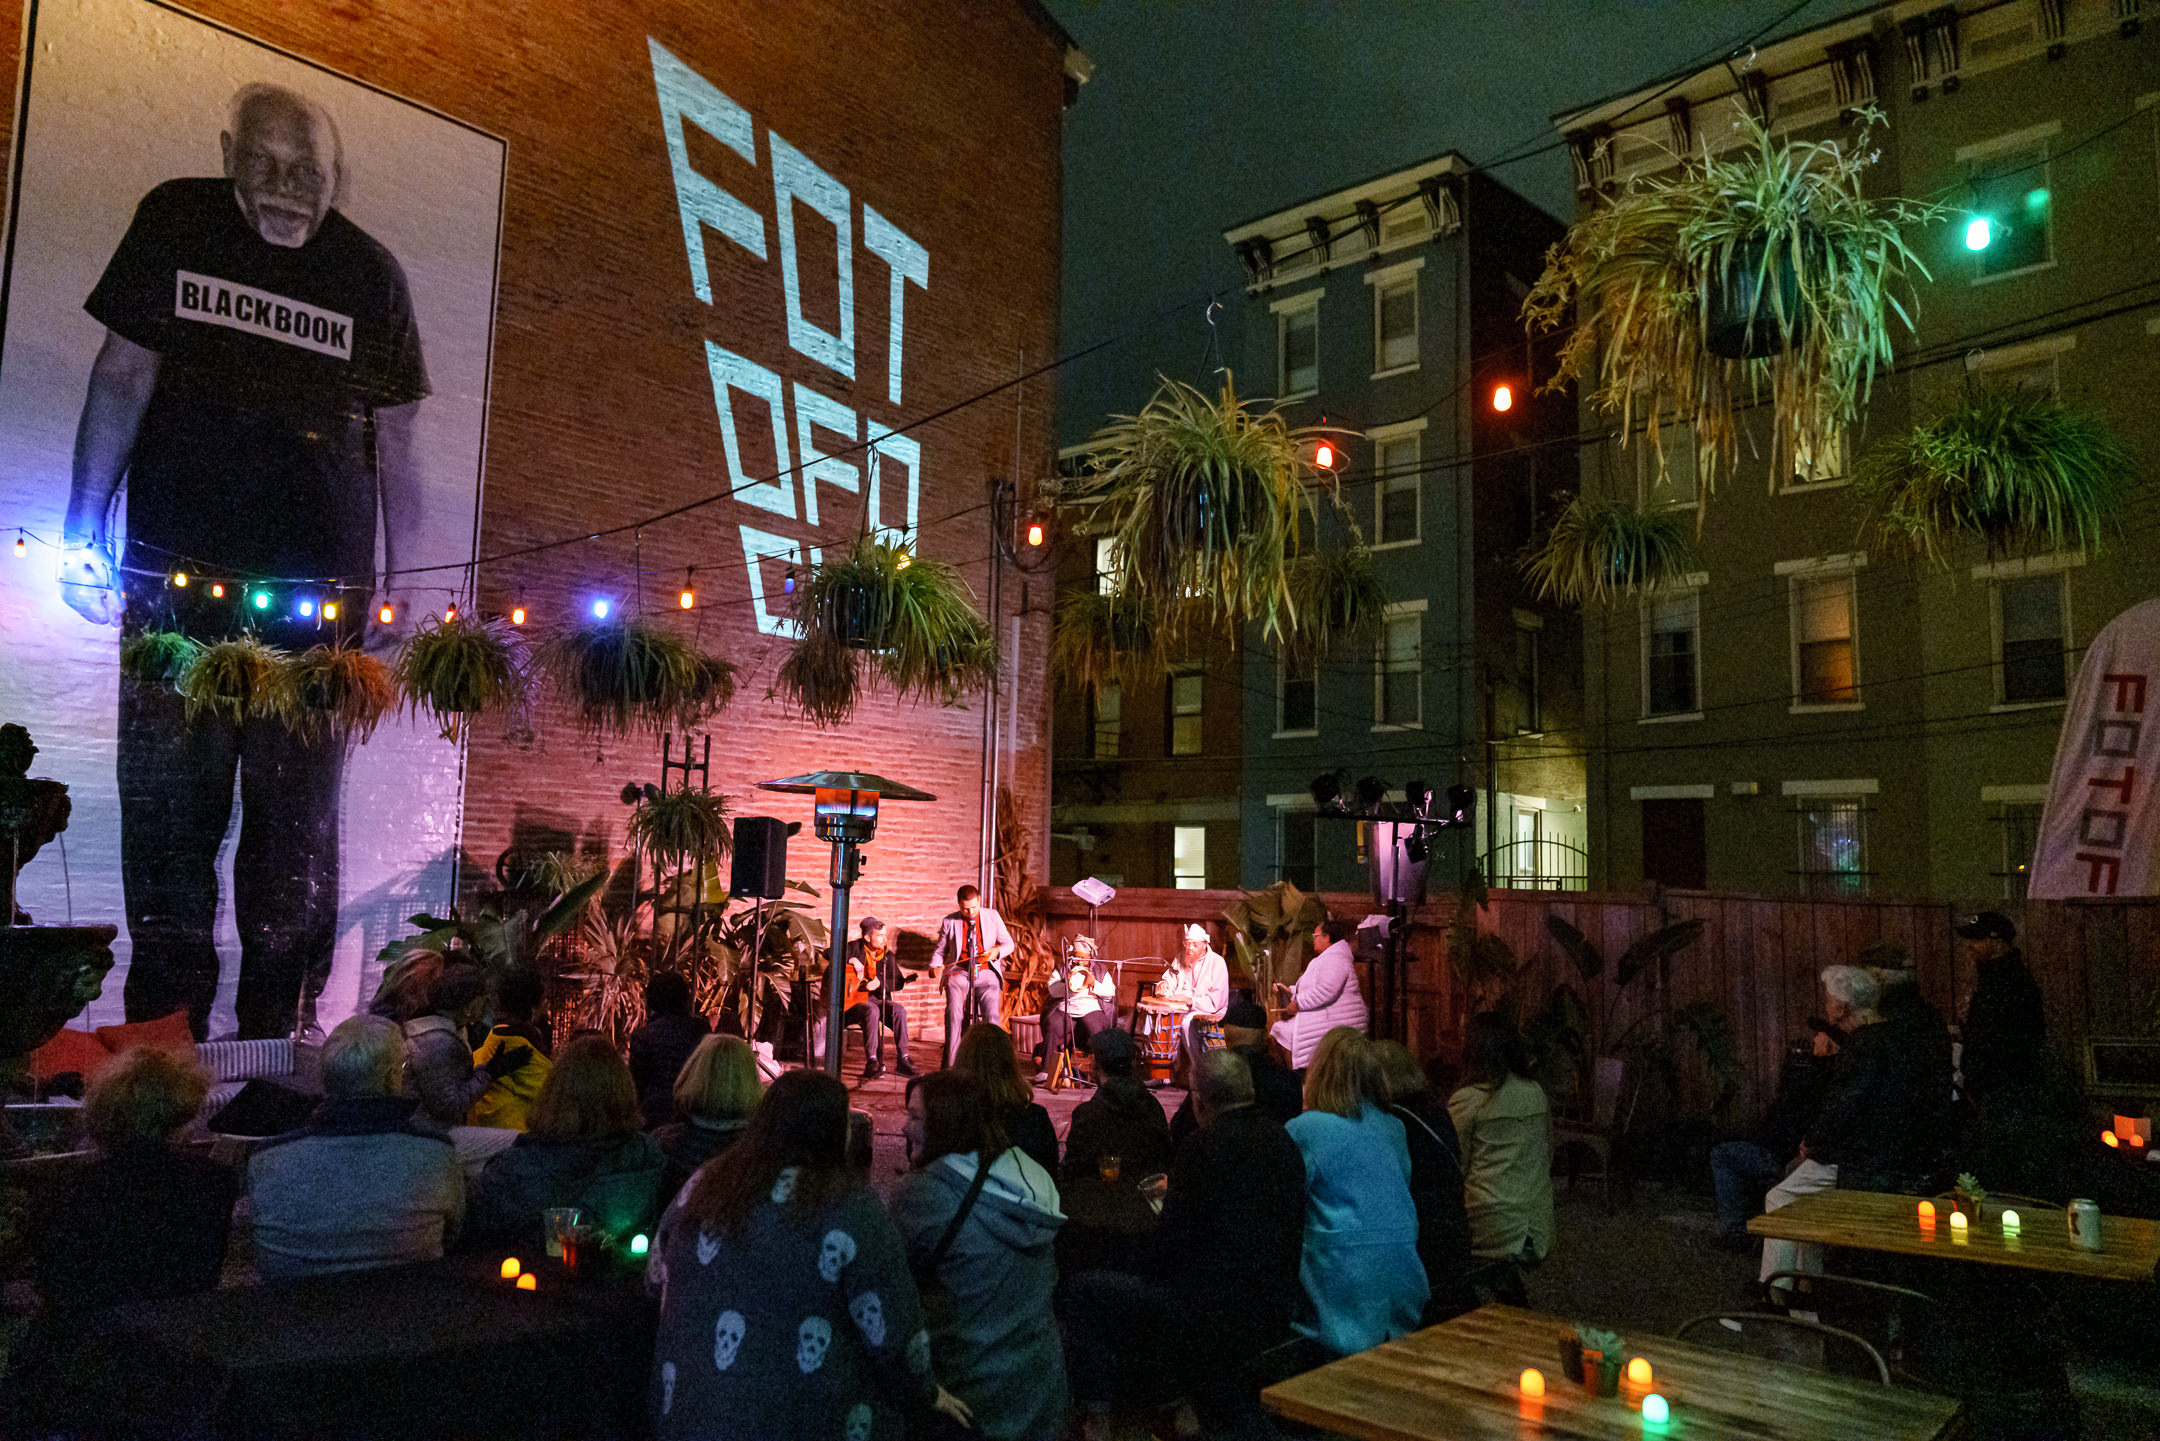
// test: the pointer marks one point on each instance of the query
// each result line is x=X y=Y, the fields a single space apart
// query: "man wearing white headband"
x=1201 y=979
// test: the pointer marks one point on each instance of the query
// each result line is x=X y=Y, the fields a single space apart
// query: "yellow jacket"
x=507 y=1104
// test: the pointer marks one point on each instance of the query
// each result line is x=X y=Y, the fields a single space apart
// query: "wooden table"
x=1460 y=1382
x=1878 y=1221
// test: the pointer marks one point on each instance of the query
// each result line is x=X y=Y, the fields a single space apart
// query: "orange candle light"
x=1533 y=1381
x=2110 y=1139
x=510 y=1268
x=1638 y=1371
x=1927 y=1211
x=528 y=1282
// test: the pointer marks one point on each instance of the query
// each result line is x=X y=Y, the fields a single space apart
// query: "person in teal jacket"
x=1363 y=1281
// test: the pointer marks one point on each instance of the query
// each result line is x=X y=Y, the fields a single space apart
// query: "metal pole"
x=843 y=876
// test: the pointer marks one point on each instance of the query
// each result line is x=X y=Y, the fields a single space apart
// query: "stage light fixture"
x=180 y=579
x=1371 y=791
x=600 y=609
x=1461 y=803
x=1419 y=795
x=1327 y=791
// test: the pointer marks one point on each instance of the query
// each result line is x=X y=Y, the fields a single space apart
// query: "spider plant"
x=2018 y=469
x=1599 y=549
x=237 y=678
x=626 y=675
x=913 y=618
x=1336 y=598
x=1206 y=500
x=678 y=826
x=157 y=657
x=1782 y=224
x=457 y=670
x=1100 y=640
x=340 y=691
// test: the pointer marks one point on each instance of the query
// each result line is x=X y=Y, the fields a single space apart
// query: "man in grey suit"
x=973 y=933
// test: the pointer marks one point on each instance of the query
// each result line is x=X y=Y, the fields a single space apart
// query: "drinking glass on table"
x=556 y=1223
x=1109 y=1167
x=581 y=1247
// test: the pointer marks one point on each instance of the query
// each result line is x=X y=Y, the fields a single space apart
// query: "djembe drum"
x=1155 y=1027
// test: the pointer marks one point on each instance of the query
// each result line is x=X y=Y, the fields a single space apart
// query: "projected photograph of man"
x=257 y=389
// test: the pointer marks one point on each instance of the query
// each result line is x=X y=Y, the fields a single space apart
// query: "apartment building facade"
x=1805 y=715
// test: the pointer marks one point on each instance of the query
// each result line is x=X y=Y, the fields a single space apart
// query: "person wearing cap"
x=1204 y=986
x=1275 y=1091
x=1079 y=1001
x=1122 y=1119
x=874 y=981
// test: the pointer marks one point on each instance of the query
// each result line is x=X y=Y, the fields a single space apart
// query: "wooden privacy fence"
x=1757 y=960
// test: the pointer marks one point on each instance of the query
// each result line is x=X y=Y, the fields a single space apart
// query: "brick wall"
x=945 y=119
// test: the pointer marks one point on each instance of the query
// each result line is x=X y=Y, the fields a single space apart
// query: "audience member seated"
x=582 y=1149
x=365 y=1183
x=1276 y=1090
x=986 y=1052
x=1326 y=995
x=508 y=1103
x=1221 y=1284
x=439 y=1067
x=1362 y=1279
x=786 y=1306
x=1121 y=1119
x=980 y=1220
x=1742 y=1170
x=660 y=1046
x=1436 y=1182
x=1505 y=1128
x=145 y=1219
x=1072 y=1014
x=715 y=1095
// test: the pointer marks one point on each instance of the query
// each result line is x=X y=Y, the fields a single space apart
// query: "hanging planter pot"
x=911 y=620
x=458 y=670
x=2015 y=469
x=1751 y=300
x=1601 y=549
x=626 y=675
x=1337 y=599
x=1098 y=640
x=340 y=692
x=157 y=657
x=676 y=827
x=234 y=679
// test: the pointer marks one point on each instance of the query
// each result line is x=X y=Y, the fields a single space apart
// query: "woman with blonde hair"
x=1362 y=1278
x=715 y=1093
x=582 y=1148
x=987 y=1053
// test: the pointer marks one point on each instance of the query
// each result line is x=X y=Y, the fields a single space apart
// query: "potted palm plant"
x=910 y=620
x=458 y=670
x=1599 y=549
x=625 y=675
x=2017 y=469
x=1766 y=270
x=1206 y=500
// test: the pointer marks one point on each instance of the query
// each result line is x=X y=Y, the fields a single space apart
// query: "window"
x=2012 y=196
x=1297 y=698
x=1188 y=857
x=2020 y=824
x=1106 y=566
x=1825 y=666
x=1665 y=472
x=1531 y=719
x=2034 y=368
x=1109 y=720
x=1297 y=349
x=1297 y=848
x=1400 y=680
x=1397 y=490
x=1674 y=852
x=1395 y=323
x=1185 y=690
x=1672 y=677
x=1827 y=467
x=2029 y=620
x=1833 y=846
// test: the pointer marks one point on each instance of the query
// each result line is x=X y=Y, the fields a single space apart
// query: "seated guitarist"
x=872 y=999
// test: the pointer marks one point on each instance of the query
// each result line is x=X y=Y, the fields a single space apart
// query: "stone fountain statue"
x=47 y=973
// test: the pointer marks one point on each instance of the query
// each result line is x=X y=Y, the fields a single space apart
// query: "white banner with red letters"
x=2100 y=833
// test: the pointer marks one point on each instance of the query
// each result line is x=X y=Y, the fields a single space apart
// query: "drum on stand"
x=1155 y=1027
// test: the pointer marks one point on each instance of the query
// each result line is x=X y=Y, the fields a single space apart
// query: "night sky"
x=1205 y=113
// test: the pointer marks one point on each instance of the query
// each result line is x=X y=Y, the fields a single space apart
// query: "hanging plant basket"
x=1768 y=272
x=2016 y=469
x=1601 y=549
x=1098 y=640
x=622 y=676
x=1206 y=501
x=340 y=692
x=157 y=657
x=459 y=670
x=237 y=678
x=1336 y=598
x=678 y=826
x=911 y=620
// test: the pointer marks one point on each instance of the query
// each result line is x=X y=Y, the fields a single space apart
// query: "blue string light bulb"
x=600 y=609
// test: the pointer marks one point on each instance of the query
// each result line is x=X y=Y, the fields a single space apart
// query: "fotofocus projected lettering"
x=808 y=451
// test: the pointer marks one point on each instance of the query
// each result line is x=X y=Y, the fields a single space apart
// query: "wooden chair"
x=1753 y=1333
x=1609 y=1119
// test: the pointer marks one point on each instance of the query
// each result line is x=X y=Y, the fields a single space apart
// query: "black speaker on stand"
x=757 y=867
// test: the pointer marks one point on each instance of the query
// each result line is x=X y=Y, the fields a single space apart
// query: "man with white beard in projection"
x=256 y=391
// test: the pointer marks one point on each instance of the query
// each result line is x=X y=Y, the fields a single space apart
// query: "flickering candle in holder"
x=1927 y=1213
x=1958 y=1221
x=2010 y=1223
x=1654 y=1410
x=528 y=1282
x=1533 y=1381
x=1638 y=1371
x=639 y=1244
x=510 y=1268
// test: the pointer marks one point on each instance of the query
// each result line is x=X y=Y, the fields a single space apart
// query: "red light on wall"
x=1503 y=397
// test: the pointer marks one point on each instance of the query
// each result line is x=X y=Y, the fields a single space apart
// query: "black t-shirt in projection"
x=253 y=459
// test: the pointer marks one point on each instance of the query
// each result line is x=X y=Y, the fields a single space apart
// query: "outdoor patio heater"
x=846 y=815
